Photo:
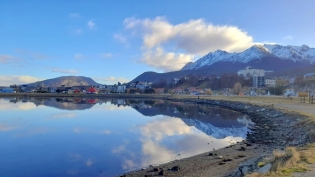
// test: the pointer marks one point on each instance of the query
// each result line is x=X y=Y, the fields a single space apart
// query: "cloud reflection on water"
x=160 y=142
x=7 y=127
x=165 y=126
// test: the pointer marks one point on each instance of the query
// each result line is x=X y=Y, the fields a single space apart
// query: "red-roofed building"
x=76 y=91
x=92 y=90
x=178 y=90
x=91 y=101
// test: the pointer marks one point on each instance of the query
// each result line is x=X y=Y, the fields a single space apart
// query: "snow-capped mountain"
x=217 y=132
x=303 y=54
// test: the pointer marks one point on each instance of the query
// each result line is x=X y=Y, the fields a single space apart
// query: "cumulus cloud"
x=65 y=71
x=74 y=15
x=194 y=37
x=78 y=56
x=166 y=126
x=10 y=80
x=91 y=25
x=106 y=55
x=166 y=61
x=289 y=37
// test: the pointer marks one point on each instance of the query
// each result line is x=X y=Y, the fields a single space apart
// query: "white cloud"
x=78 y=130
x=121 y=38
x=6 y=127
x=111 y=80
x=10 y=80
x=63 y=115
x=194 y=37
x=32 y=55
x=5 y=59
x=106 y=55
x=91 y=25
x=78 y=31
x=89 y=162
x=74 y=15
x=288 y=37
x=65 y=71
x=105 y=132
x=28 y=79
x=163 y=127
x=169 y=61
x=78 y=56
x=26 y=106
x=119 y=149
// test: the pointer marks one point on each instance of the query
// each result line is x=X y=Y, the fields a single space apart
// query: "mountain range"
x=282 y=60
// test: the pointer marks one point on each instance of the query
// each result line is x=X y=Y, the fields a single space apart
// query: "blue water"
x=93 y=137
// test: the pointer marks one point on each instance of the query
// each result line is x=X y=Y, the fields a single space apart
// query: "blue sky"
x=113 y=41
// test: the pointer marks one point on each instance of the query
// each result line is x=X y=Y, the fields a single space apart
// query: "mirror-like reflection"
x=106 y=137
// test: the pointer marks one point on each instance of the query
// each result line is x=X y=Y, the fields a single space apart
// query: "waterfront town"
x=248 y=81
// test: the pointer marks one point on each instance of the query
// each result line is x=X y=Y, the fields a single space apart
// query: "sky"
x=115 y=41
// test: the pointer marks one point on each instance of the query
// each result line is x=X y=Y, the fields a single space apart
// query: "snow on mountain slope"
x=295 y=53
x=217 y=132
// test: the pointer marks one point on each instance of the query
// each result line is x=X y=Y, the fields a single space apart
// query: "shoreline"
x=274 y=129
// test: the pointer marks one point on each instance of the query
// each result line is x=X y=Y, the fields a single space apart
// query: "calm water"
x=93 y=137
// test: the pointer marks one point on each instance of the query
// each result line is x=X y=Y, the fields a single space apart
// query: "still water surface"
x=107 y=137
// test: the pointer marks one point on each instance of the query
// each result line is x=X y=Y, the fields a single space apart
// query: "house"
x=92 y=90
x=77 y=91
x=178 y=91
x=159 y=90
x=175 y=80
x=195 y=91
x=309 y=76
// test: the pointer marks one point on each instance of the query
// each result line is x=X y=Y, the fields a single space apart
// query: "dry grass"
x=288 y=161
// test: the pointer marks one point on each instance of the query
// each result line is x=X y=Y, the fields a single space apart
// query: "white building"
x=259 y=81
x=121 y=88
x=270 y=82
x=249 y=71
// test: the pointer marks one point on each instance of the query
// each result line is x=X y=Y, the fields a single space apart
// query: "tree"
x=237 y=88
x=278 y=90
x=149 y=91
x=209 y=92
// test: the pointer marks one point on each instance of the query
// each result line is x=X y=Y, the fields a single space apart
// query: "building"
x=258 y=81
x=7 y=90
x=121 y=89
x=175 y=80
x=249 y=72
x=270 y=82
x=92 y=90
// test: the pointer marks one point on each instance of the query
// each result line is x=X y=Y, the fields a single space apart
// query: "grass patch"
x=286 y=162
x=261 y=164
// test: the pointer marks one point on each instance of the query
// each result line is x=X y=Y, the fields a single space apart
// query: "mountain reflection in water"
x=106 y=137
